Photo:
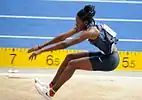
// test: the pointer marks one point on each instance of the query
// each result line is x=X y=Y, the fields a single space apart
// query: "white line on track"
x=39 y=37
x=76 y=75
x=67 y=18
x=102 y=1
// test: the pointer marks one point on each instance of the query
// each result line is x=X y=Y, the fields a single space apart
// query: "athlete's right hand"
x=34 y=49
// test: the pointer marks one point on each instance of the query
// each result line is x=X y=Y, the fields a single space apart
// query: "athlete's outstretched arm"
x=89 y=34
x=61 y=37
x=64 y=44
x=60 y=45
x=57 y=39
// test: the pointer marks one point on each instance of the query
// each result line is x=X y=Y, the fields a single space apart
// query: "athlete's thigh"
x=78 y=55
x=81 y=63
x=84 y=54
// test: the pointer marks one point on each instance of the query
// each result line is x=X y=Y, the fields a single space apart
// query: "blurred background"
x=26 y=23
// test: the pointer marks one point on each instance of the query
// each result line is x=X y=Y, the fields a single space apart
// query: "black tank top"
x=104 y=41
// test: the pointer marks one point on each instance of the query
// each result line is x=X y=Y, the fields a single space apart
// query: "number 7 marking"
x=14 y=55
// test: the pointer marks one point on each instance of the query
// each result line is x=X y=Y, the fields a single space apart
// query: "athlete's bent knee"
x=70 y=56
x=72 y=64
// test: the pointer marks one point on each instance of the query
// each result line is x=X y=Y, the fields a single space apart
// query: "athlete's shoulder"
x=106 y=28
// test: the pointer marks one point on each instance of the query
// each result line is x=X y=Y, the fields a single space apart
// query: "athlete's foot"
x=43 y=84
x=45 y=92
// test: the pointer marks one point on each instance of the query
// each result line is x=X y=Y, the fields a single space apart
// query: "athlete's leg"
x=95 y=61
x=68 y=58
x=81 y=63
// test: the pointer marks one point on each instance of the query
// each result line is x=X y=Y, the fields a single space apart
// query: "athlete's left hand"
x=33 y=55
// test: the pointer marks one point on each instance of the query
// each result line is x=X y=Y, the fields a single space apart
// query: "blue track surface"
x=48 y=27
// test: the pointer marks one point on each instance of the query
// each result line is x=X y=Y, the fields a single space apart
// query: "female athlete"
x=99 y=35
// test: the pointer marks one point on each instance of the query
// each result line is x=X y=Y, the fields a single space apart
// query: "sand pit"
x=77 y=88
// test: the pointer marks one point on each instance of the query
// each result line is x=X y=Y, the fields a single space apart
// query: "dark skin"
x=73 y=61
x=61 y=44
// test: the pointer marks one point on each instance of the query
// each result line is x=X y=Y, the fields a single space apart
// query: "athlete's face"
x=80 y=24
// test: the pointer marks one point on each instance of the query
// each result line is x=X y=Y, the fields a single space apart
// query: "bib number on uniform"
x=109 y=30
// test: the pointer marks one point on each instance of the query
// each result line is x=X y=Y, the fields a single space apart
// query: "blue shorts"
x=101 y=62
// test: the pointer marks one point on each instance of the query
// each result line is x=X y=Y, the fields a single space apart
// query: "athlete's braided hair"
x=87 y=13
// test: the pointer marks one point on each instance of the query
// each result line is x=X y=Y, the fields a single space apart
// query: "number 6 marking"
x=50 y=60
x=14 y=55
